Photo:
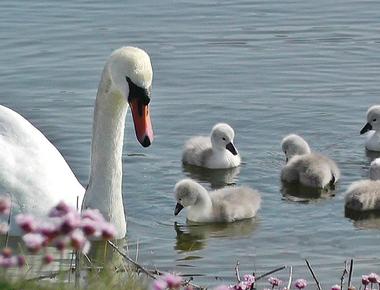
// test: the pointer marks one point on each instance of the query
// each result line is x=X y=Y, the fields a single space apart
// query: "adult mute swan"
x=215 y=152
x=306 y=167
x=373 y=125
x=37 y=177
x=228 y=204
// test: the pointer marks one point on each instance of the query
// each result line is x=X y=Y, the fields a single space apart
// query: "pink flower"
x=70 y=222
x=159 y=284
x=242 y=285
x=5 y=205
x=365 y=280
x=79 y=241
x=93 y=214
x=274 y=281
x=47 y=259
x=89 y=226
x=60 y=210
x=26 y=223
x=33 y=242
x=61 y=244
x=300 y=283
x=108 y=231
x=249 y=279
x=6 y=252
x=173 y=280
x=335 y=287
x=7 y=262
x=49 y=230
x=374 y=278
x=4 y=228
x=21 y=261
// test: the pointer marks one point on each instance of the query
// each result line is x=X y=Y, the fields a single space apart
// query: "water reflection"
x=194 y=236
x=302 y=193
x=217 y=178
x=364 y=220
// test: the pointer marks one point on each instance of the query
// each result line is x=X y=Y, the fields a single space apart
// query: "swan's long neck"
x=105 y=184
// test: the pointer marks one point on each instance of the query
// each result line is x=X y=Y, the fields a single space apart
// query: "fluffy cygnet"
x=303 y=166
x=364 y=195
x=373 y=125
x=228 y=204
x=216 y=152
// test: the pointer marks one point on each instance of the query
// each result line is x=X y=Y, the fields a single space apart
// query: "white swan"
x=364 y=195
x=373 y=125
x=215 y=152
x=303 y=166
x=36 y=176
x=228 y=204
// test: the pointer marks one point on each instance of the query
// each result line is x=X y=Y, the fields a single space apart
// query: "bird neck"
x=104 y=190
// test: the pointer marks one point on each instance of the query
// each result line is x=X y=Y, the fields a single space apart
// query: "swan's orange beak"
x=141 y=119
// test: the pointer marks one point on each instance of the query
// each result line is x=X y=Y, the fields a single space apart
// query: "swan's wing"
x=236 y=203
x=363 y=195
x=32 y=170
x=197 y=151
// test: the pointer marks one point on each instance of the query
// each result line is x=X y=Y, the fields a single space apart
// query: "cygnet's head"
x=373 y=120
x=186 y=193
x=374 y=169
x=128 y=75
x=294 y=145
x=222 y=137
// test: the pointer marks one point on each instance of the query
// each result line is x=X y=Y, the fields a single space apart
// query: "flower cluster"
x=8 y=260
x=247 y=283
x=371 y=278
x=300 y=283
x=65 y=228
x=274 y=281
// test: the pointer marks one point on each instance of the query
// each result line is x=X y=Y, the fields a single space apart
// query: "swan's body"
x=215 y=152
x=223 y=205
x=32 y=171
x=36 y=176
x=373 y=126
x=303 y=166
x=364 y=195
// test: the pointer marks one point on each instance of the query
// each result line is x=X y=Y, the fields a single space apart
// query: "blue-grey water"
x=268 y=68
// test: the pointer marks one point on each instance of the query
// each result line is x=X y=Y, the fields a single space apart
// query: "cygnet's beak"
x=230 y=147
x=178 y=208
x=141 y=119
x=366 y=128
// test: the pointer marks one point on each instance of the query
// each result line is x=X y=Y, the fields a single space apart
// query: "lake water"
x=268 y=68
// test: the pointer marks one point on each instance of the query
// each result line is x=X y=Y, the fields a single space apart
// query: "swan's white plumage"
x=32 y=171
x=228 y=204
x=35 y=174
x=373 y=126
x=303 y=166
x=364 y=195
x=211 y=152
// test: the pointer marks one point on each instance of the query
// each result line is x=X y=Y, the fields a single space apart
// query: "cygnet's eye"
x=285 y=151
x=224 y=139
x=374 y=120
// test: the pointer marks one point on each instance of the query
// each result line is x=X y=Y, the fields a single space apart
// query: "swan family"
x=36 y=176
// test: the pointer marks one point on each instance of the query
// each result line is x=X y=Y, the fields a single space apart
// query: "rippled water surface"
x=267 y=68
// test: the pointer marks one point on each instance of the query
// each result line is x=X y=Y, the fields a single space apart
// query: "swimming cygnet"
x=373 y=125
x=303 y=166
x=228 y=204
x=216 y=152
x=364 y=195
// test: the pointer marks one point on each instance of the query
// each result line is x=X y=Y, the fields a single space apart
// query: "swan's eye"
x=285 y=151
x=374 y=120
x=224 y=139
